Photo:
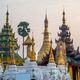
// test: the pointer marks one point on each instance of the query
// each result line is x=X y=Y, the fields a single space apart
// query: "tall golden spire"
x=33 y=54
x=63 y=19
x=51 y=57
x=7 y=17
x=46 y=43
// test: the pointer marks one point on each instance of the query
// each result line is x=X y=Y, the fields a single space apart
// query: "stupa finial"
x=7 y=16
x=46 y=20
x=63 y=19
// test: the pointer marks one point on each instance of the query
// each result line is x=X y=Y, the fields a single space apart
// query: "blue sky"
x=33 y=11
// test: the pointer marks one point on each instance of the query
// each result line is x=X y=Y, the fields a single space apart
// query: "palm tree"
x=23 y=31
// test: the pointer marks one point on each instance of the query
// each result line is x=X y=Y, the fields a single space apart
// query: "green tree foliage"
x=23 y=29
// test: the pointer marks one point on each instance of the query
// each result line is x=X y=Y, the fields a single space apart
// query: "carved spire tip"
x=63 y=19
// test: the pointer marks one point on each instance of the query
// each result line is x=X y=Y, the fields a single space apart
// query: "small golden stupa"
x=51 y=57
x=33 y=54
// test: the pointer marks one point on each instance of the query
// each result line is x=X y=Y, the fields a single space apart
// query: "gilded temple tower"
x=9 y=45
x=46 y=43
x=65 y=34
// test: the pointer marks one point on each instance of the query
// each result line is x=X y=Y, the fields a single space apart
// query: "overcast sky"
x=33 y=11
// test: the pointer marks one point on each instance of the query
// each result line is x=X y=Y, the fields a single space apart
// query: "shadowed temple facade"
x=59 y=63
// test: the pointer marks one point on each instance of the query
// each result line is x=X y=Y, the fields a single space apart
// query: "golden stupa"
x=46 y=43
x=51 y=56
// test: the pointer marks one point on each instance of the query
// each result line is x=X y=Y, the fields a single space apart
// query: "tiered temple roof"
x=8 y=45
x=65 y=34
